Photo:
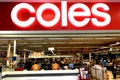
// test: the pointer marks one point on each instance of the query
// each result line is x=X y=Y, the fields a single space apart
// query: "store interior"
x=82 y=47
x=66 y=45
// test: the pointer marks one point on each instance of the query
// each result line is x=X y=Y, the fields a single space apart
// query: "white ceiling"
x=61 y=40
x=94 y=43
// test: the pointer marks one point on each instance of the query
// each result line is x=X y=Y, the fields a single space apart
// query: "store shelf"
x=53 y=56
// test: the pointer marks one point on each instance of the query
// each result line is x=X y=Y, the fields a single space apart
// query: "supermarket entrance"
x=67 y=43
x=36 y=45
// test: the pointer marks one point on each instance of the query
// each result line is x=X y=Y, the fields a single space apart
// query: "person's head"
x=55 y=61
x=35 y=62
x=21 y=61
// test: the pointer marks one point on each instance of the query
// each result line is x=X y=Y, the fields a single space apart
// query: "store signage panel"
x=65 y=15
x=59 y=16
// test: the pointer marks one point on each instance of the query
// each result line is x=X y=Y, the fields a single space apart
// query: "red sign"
x=59 y=16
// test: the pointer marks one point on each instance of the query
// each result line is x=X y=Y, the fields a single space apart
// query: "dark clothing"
x=114 y=70
x=104 y=63
x=114 y=74
x=97 y=61
x=28 y=65
x=21 y=64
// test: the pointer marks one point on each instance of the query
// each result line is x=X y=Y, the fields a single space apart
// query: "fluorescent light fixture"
x=85 y=38
x=23 y=43
x=67 y=47
x=36 y=46
x=39 y=43
x=84 y=42
x=33 y=38
x=6 y=46
x=104 y=47
x=115 y=44
x=58 y=38
x=107 y=38
x=80 y=38
x=10 y=39
x=57 y=42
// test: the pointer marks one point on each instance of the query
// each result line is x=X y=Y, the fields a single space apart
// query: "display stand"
x=98 y=73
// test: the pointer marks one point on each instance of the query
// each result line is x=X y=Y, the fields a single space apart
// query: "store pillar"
x=89 y=56
x=8 y=54
x=14 y=52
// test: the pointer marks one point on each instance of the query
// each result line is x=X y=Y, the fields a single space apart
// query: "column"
x=8 y=53
x=14 y=52
x=24 y=56
x=90 y=56
x=15 y=55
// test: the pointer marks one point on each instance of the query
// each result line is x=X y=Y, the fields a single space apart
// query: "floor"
x=111 y=76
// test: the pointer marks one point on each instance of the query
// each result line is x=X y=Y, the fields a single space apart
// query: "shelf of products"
x=41 y=55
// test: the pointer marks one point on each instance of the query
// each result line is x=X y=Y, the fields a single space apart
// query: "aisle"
x=111 y=76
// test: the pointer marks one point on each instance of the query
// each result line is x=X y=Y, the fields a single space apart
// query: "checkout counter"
x=41 y=75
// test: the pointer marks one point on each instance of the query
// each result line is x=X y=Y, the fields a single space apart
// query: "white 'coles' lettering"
x=63 y=14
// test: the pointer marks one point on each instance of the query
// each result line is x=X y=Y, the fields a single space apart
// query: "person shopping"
x=35 y=67
x=114 y=69
x=55 y=65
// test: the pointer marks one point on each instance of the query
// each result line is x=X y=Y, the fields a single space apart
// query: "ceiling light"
x=93 y=38
x=80 y=38
x=58 y=38
x=104 y=47
x=107 y=38
x=57 y=42
x=39 y=43
x=33 y=38
x=36 y=46
x=115 y=44
x=84 y=42
x=6 y=46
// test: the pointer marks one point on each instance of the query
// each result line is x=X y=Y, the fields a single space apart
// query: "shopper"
x=28 y=64
x=97 y=61
x=70 y=64
x=19 y=68
x=21 y=63
x=104 y=63
x=114 y=69
x=55 y=65
x=35 y=67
